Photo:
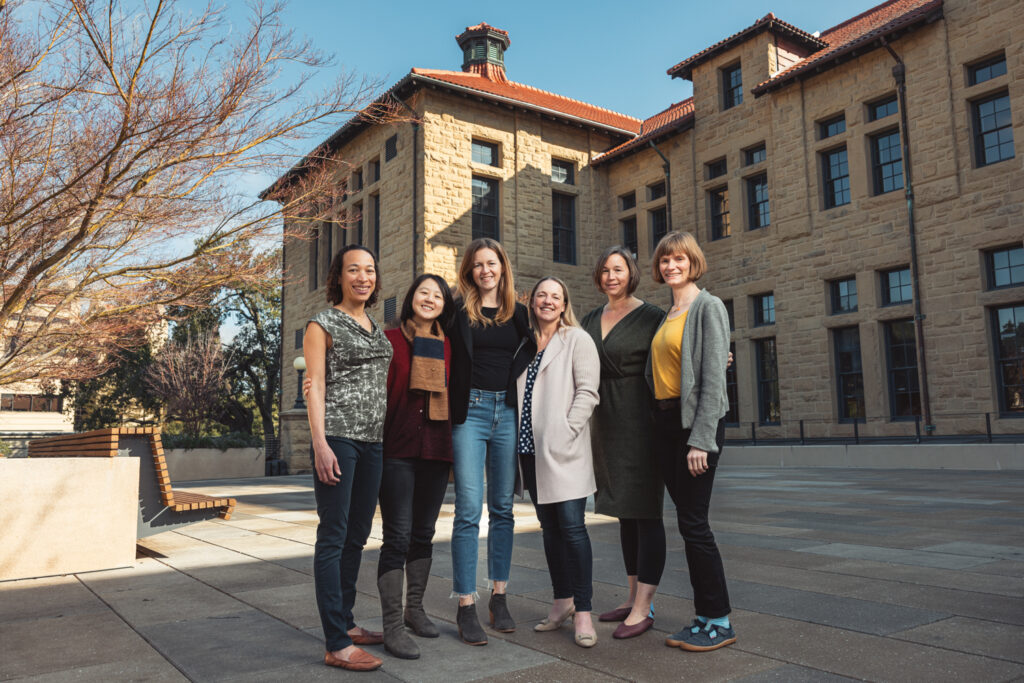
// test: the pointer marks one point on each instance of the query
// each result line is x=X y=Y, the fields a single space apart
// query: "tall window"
x=832 y=126
x=627 y=201
x=886 y=162
x=485 y=207
x=836 y=172
x=1008 y=324
x=732 y=390
x=629 y=240
x=768 y=409
x=485 y=153
x=896 y=287
x=375 y=201
x=391 y=147
x=764 y=309
x=658 y=222
x=844 y=295
x=993 y=129
x=1005 y=267
x=849 y=376
x=757 y=201
x=732 y=87
x=563 y=228
x=718 y=207
x=562 y=172
x=987 y=70
x=882 y=108
x=901 y=352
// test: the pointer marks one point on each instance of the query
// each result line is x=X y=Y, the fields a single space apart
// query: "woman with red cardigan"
x=417 y=458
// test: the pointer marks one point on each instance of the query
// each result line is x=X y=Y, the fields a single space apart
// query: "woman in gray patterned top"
x=347 y=357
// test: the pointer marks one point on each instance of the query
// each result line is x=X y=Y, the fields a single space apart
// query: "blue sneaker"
x=701 y=637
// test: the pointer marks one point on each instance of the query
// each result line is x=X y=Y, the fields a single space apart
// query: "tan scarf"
x=426 y=368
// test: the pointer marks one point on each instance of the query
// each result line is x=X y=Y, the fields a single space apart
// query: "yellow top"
x=666 y=362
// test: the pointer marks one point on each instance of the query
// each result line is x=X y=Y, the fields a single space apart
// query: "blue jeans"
x=566 y=543
x=346 y=515
x=485 y=441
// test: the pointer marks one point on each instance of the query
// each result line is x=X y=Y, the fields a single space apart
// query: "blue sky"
x=613 y=55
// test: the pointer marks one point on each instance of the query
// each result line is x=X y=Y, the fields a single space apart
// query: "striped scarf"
x=426 y=369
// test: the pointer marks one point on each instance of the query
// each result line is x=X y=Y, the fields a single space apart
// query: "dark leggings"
x=643 y=548
x=411 y=493
x=692 y=496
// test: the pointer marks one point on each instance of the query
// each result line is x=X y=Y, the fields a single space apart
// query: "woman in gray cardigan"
x=556 y=395
x=686 y=371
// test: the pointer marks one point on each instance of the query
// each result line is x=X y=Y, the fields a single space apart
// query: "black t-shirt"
x=493 y=349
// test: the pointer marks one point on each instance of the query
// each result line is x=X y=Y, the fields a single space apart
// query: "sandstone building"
x=858 y=193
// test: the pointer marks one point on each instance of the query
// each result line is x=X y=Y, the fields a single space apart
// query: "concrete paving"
x=835 y=575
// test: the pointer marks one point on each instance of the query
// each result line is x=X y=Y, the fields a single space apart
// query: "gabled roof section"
x=532 y=98
x=858 y=35
x=674 y=119
x=768 y=22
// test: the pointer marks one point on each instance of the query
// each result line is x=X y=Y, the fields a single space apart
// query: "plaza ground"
x=835 y=574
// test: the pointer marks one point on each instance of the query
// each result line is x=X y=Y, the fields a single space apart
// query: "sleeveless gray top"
x=356 y=377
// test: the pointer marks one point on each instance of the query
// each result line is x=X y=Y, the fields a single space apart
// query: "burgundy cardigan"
x=407 y=431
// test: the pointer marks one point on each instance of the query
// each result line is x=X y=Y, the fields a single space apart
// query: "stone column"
x=295 y=441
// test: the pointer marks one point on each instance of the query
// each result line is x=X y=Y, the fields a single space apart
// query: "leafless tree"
x=125 y=128
x=190 y=378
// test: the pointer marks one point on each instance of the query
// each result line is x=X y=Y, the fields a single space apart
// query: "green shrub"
x=223 y=442
x=5 y=449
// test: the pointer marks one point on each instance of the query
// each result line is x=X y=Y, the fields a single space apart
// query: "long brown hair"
x=471 y=296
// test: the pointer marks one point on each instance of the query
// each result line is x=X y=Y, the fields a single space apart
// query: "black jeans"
x=643 y=548
x=346 y=516
x=566 y=543
x=411 y=493
x=692 y=496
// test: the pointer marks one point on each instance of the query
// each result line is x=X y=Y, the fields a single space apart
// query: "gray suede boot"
x=416 y=574
x=396 y=640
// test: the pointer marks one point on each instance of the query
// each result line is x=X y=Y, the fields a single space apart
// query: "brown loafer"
x=631 y=631
x=617 y=614
x=361 y=660
x=364 y=636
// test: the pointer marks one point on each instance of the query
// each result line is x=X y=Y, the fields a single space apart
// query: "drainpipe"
x=416 y=256
x=668 y=182
x=899 y=73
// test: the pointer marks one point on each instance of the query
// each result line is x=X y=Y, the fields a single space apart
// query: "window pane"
x=993 y=132
x=656 y=191
x=837 y=178
x=764 y=309
x=882 y=108
x=757 y=196
x=629 y=240
x=485 y=208
x=844 y=296
x=767 y=382
x=658 y=219
x=1009 y=331
x=485 y=153
x=718 y=205
x=833 y=126
x=732 y=87
x=563 y=225
x=1006 y=267
x=904 y=394
x=849 y=375
x=897 y=288
x=887 y=162
x=988 y=70
x=627 y=201
x=562 y=172
x=756 y=155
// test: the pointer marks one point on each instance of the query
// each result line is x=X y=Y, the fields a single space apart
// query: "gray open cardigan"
x=704 y=355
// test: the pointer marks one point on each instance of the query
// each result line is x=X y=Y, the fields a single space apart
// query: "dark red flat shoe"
x=361 y=660
x=617 y=614
x=626 y=631
x=366 y=637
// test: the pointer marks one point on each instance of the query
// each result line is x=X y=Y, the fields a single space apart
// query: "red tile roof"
x=766 y=23
x=531 y=97
x=676 y=117
x=844 y=40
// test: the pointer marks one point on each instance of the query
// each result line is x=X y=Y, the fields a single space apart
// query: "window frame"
x=829 y=181
x=759 y=309
x=767 y=383
x=974 y=69
x=891 y=371
x=886 y=287
x=719 y=222
x=391 y=148
x=874 y=113
x=842 y=395
x=836 y=296
x=879 y=167
x=755 y=206
x=558 y=230
x=493 y=149
x=991 y=268
x=564 y=165
x=1002 y=389
x=479 y=217
x=627 y=201
x=651 y=213
x=716 y=168
x=732 y=92
x=825 y=125
x=656 y=191
x=978 y=135
x=751 y=153
x=631 y=243
x=732 y=391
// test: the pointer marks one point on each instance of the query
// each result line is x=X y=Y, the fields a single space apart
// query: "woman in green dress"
x=629 y=484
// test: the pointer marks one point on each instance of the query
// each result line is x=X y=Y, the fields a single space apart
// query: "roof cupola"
x=483 y=51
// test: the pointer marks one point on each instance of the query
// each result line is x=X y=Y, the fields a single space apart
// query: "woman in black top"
x=490 y=328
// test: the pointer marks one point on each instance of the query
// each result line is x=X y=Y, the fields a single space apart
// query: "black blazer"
x=462 y=360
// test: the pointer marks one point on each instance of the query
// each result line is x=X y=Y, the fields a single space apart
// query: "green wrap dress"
x=629 y=484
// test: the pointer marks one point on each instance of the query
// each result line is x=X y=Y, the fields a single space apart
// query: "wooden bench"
x=161 y=508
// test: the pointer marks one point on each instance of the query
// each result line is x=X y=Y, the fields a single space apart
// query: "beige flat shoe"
x=548 y=625
x=586 y=639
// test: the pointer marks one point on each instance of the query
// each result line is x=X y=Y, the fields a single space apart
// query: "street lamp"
x=300 y=366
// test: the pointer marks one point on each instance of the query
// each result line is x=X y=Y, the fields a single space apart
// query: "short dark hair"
x=334 y=293
x=447 y=313
x=634 y=272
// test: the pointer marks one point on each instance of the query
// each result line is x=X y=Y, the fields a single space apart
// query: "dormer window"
x=732 y=86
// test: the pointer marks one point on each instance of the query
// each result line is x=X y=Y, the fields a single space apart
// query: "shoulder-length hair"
x=447 y=312
x=677 y=242
x=334 y=293
x=634 y=272
x=471 y=296
x=567 y=319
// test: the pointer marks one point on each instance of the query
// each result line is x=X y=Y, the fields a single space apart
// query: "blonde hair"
x=567 y=319
x=679 y=243
x=471 y=295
